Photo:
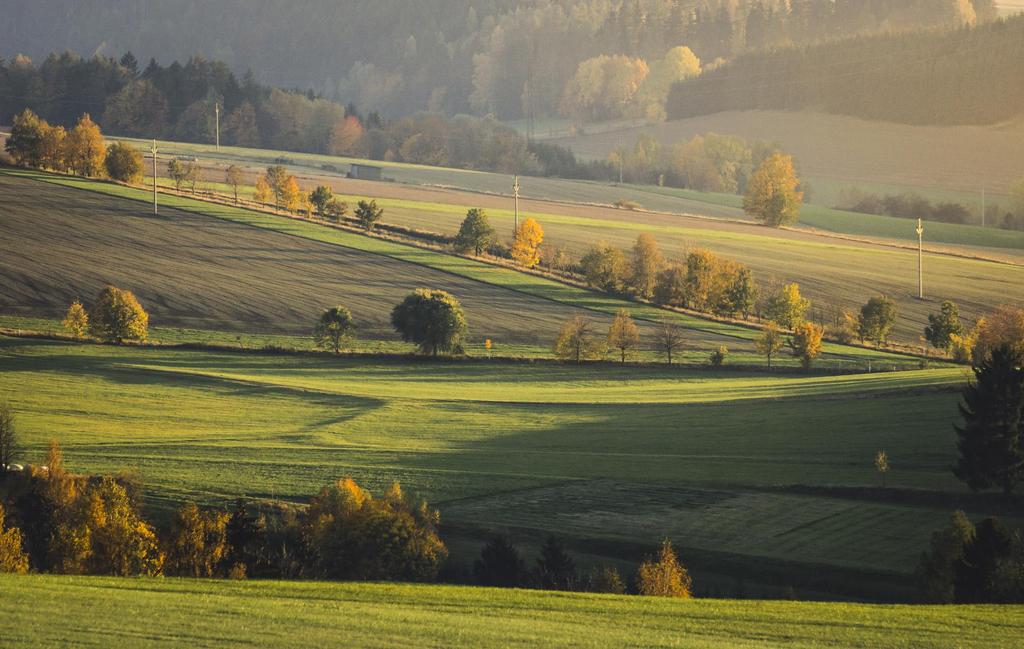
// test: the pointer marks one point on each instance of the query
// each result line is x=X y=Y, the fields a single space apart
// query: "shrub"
x=118 y=316
x=349 y=534
x=197 y=546
x=665 y=577
x=718 y=356
x=123 y=162
x=432 y=319
x=12 y=553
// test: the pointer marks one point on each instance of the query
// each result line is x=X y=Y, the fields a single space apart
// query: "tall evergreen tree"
x=991 y=439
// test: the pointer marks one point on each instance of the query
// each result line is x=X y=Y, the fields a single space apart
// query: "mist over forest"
x=510 y=59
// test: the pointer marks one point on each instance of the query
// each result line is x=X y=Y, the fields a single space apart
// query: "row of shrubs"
x=54 y=521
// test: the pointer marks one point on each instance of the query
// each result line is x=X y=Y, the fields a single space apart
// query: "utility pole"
x=920 y=259
x=216 y=109
x=153 y=151
x=515 y=192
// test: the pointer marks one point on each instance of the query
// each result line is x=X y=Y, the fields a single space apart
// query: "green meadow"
x=50 y=611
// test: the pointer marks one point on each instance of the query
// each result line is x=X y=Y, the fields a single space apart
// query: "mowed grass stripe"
x=53 y=610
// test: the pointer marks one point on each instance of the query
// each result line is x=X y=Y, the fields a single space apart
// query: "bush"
x=349 y=534
x=123 y=162
x=12 y=553
x=432 y=319
x=665 y=577
x=718 y=356
x=197 y=546
x=118 y=316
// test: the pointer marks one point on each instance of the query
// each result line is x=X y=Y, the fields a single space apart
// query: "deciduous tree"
x=84 y=149
x=118 y=316
x=1004 y=326
x=123 y=162
x=76 y=320
x=605 y=267
x=475 y=234
x=806 y=342
x=787 y=307
x=770 y=342
x=647 y=261
x=943 y=325
x=334 y=329
x=577 y=340
x=670 y=339
x=234 y=177
x=432 y=319
x=12 y=553
x=197 y=545
x=876 y=320
x=665 y=576
x=529 y=236
x=772 y=194
x=623 y=334
x=25 y=143
x=368 y=214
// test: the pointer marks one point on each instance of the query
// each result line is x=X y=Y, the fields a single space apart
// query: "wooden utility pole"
x=982 y=207
x=153 y=152
x=515 y=192
x=920 y=259
x=216 y=109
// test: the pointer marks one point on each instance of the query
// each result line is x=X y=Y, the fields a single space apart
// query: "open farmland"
x=43 y=611
x=507 y=305
x=829 y=270
x=465 y=187
x=611 y=458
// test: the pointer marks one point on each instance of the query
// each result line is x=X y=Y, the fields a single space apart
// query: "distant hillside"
x=969 y=75
x=852 y=151
x=505 y=57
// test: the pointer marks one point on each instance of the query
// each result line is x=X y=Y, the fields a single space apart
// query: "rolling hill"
x=132 y=613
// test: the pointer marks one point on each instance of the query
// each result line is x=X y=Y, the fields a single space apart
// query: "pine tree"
x=991 y=439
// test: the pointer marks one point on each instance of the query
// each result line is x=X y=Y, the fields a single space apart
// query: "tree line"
x=55 y=521
x=453 y=56
x=911 y=205
x=970 y=74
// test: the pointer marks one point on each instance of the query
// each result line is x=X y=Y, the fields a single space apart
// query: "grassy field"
x=853 y=271
x=44 y=611
x=610 y=458
x=651 y=198
x=253 y=272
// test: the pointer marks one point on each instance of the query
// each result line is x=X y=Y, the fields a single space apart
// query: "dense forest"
x=512 y=59
x=966 y=75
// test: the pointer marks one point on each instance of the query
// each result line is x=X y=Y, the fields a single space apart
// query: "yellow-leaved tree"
x=118 y=316
x=528 y=239
x=76 y=320
x=12 y=552
x=806 y=342
x=84 y=149
x=772 y=195
x=665 y=577
x=263 y=194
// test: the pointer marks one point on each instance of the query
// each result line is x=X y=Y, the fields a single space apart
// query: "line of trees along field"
x=509 y=58
x=967 y=75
